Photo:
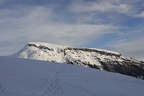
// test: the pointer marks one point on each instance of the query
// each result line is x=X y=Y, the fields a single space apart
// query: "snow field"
x=20 y=77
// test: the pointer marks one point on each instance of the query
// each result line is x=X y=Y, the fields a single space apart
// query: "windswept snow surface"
x=22 y=77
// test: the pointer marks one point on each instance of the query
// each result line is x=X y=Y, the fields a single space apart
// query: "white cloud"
x=141 y=14
x=101 y=6
x=42 y=23
x=38 y=24
x=134 y=48
x=102 y=11
x=71 y=34
x=126 y=7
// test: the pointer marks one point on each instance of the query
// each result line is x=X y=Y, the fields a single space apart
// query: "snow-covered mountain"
x=23 y=77
x=87 y=57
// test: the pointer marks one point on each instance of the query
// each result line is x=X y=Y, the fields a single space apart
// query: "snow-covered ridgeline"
x=100 y=51
x=58 y=48
x=65 y=54
x=41 y=51
x=87 y=57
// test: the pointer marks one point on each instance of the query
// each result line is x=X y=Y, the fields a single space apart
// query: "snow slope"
x=23 y=77
x=87 y=57
x=41 y=51
x=58 y=53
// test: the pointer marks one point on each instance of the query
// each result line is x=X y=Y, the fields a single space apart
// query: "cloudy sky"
x=116 y=25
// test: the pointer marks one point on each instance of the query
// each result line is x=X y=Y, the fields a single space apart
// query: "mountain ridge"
x=87 y=57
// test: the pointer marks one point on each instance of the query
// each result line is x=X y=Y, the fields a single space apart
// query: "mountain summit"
x=87 y=57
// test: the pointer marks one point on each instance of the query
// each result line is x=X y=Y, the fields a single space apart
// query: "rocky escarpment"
x=87 y=57
x=113 y=62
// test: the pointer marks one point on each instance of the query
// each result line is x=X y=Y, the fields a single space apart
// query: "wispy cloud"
x=141 y=14
x=38 y=24
x=127 y=7
x=73 y=23
x=129 y=42
x=101 y=6
x=134 y=48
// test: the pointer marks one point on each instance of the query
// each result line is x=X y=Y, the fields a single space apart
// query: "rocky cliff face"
x=87 y=57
